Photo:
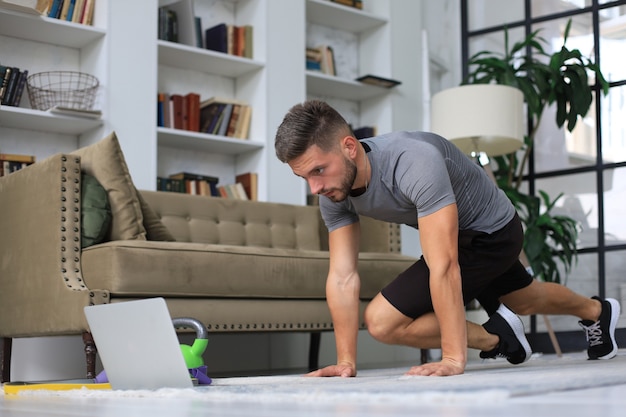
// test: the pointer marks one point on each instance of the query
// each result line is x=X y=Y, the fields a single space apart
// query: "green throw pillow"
x=95 y=212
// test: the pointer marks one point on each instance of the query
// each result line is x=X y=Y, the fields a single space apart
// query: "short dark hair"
x=313 y=122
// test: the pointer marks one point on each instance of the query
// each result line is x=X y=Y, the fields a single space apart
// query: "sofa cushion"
x=182 y=269
x=155 y=229
x=105 y=161
x=95 y=212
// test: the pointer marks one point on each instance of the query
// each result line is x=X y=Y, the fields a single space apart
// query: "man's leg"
x=388 y=325
x=597 y=317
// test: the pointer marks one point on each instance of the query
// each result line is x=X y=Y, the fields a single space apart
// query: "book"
x=249 y=182
x=177 y=102
x=358 y=4
x=248 y=48
x=65 y=10
x=77 y=14
x=242 y=130
x=70 y=10
x=194 y=183
x=67 y=111
x=216 y=38
x=19 y=90
x=5 y=76
x=55 y=9
x=193 y=111
x=87 y=18
x=233 y=120
x=321 y=58
x=198 y=27
x=9 y=92
x=17 y=157
x=225 y=119
x=209 y=114
x=378 y=81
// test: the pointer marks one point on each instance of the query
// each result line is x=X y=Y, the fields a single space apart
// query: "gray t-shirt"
x=414 y=174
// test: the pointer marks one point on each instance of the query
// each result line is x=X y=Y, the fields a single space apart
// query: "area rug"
x=483 y=382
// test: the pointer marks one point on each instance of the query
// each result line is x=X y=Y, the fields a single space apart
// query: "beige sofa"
x=237 y=266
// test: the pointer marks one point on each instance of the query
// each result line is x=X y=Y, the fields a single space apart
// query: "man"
x=471 y=239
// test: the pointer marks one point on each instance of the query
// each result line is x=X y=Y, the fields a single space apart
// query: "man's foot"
x=513 y=344
x=601 y=334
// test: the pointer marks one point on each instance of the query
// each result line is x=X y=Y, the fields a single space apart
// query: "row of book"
x=245 y=187
x=216 y=116
x=76 y=11
x=357 y=4
x=12 y=85
x=230 y=39
x=225 y=117
x=13 y=162
x=178 y=111
x=321 y=58
x=177 y=23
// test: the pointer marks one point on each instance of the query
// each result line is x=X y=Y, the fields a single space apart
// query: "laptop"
x=138 y=345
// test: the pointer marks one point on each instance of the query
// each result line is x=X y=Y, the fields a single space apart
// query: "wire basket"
x=71 y=89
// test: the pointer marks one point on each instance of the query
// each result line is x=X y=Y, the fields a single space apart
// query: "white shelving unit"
x=371 y=31
x=24 y=37
x=215 y=74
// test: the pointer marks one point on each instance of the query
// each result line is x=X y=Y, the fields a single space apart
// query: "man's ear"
x=350 y=145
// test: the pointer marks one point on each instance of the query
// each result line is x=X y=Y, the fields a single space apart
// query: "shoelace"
x=594 y=333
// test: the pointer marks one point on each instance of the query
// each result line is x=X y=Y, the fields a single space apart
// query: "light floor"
x=606 y=402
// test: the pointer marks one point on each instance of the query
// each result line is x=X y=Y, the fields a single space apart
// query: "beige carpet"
x=485 y=382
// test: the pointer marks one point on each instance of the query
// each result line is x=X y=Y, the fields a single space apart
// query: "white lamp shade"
x=485 y=118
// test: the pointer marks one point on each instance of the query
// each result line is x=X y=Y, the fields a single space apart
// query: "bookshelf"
x=184 y=68
x=38 y=43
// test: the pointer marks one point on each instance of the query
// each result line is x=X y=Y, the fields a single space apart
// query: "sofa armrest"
x=40 y=225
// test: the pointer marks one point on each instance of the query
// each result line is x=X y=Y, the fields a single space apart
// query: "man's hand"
x=446 y=367
x=344 y=371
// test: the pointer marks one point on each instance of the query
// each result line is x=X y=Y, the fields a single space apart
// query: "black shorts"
x=490 y=268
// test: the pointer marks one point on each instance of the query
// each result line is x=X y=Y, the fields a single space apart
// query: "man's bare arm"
x=342 y=293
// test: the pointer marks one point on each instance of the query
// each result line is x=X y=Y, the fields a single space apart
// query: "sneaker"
x=513 y=344
x=601 y=334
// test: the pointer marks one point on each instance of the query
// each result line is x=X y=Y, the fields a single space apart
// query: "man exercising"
x=471 y=239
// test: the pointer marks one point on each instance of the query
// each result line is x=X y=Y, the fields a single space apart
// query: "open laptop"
x=138 y=345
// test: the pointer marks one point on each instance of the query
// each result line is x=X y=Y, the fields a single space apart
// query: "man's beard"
x=342 y=192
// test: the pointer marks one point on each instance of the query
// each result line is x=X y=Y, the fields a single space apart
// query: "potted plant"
x=562 y=79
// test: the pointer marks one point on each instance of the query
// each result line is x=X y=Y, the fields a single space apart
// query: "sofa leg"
x=423 y=356
x=5 y=359
x=314 y=350
x=90 y=354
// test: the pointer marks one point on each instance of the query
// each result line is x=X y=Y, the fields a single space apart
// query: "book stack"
x=358 y=4
x=249 y=182
x=77 y=11
x=178 y=23
x=230 y=39
x=225 y=117
x=321 y=58
x=13 y=162
x=178 y=111
x=12 y=83
x=234 y=191
x=189 y=183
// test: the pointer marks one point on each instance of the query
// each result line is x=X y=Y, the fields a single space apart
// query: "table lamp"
x=480 y=118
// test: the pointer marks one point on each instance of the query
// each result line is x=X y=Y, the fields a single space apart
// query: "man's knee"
x=383 y=320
